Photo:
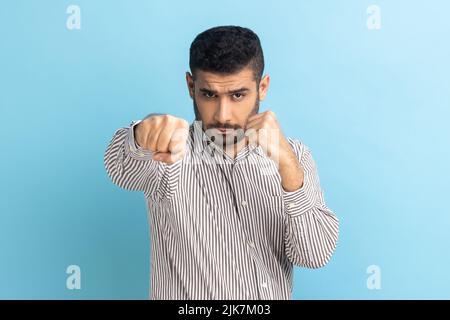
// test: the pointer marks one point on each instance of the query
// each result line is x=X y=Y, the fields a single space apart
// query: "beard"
x=225 y=140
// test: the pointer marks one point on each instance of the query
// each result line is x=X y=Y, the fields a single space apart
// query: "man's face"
x=225 y=102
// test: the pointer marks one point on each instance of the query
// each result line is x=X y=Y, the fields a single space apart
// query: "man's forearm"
x=291 y=171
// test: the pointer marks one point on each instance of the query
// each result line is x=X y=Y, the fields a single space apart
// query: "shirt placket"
x=242 y=194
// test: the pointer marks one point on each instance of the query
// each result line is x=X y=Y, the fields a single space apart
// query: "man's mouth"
x=225 y=130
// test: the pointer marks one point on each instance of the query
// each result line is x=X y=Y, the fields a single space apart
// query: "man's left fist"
x=263 y=129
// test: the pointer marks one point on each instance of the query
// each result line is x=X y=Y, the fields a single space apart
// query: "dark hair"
x=226 y=50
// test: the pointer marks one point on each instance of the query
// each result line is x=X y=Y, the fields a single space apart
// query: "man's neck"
x=233 y=150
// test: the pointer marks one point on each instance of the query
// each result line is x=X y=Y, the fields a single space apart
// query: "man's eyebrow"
x=243 y=89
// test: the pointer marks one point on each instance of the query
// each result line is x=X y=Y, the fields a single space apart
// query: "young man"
x=232 y=203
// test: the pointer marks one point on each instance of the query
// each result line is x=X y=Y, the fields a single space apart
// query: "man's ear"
x=263 y=87
x=190 y=84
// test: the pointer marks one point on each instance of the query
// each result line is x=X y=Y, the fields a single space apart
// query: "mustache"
x=223 y=125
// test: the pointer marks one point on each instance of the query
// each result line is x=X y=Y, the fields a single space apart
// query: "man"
x=232 y=203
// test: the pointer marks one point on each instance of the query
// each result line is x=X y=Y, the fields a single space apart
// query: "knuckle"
x=184 y=124
x=151 y=120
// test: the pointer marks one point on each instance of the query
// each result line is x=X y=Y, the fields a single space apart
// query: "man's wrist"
x=132 y=147
x=290 y=169
x=135 y=135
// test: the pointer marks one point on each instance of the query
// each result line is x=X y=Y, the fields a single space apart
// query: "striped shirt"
x=223 y=227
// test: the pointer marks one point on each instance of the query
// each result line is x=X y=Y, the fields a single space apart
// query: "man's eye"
x=209 y=94
x=238 y=96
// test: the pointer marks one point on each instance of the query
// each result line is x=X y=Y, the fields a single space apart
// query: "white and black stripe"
x=224 y=228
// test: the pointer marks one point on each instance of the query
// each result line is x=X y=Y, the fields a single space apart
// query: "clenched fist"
x=164 y=135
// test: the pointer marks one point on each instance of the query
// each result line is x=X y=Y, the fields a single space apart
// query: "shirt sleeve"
x=132 y=168
x=312 y=228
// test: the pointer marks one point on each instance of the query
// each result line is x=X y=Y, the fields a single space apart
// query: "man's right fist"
x=164 y=135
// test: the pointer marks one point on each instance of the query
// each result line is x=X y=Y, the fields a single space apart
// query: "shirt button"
x=264 y=284
x=243 y=203
x=290 y=205
x=251 y=244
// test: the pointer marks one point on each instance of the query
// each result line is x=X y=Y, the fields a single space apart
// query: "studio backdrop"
x=365 y=84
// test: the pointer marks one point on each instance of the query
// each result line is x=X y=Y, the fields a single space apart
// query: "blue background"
x=373 y=106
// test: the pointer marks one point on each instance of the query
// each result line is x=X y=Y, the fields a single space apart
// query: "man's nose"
x=223 y=114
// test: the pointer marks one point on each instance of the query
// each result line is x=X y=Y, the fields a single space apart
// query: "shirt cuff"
x=132 y=148
x=299 y=201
